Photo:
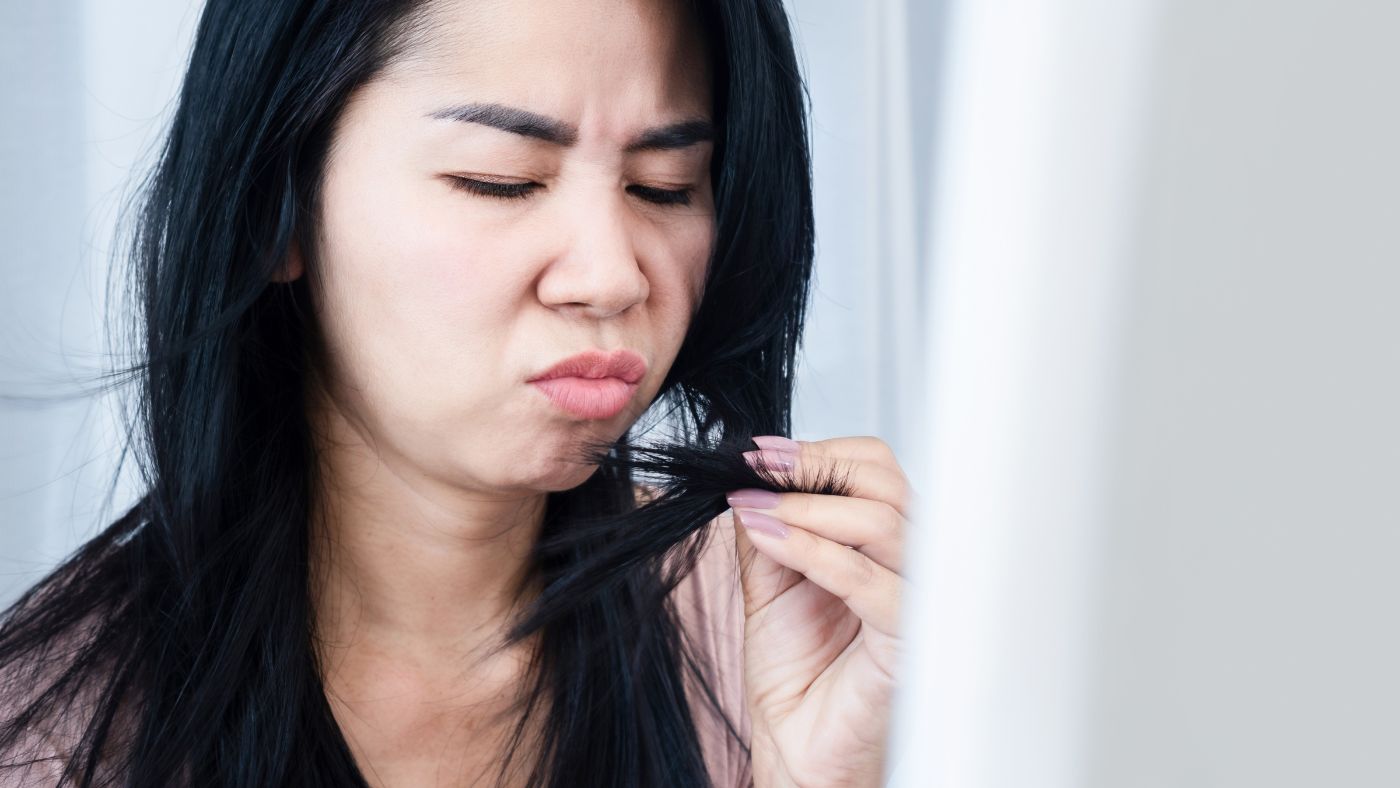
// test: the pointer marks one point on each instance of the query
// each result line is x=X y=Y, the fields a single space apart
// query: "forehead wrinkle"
x=469 y=47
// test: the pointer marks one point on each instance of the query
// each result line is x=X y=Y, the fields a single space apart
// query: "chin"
x=550 y=474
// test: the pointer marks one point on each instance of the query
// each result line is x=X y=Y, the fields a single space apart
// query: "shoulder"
x=34 y=756
x=51 y=691
x=643 y=493
x=37 y=737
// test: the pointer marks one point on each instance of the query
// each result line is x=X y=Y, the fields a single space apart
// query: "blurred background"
x=1117 y=281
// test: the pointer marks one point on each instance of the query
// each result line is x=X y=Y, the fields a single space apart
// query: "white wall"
x=85 y=90
x=42 y=207
x=871 y=74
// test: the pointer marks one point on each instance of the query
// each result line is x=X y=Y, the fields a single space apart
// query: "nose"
x=595 y=271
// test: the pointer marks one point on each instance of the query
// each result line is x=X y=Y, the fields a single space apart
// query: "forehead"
x=604 y=64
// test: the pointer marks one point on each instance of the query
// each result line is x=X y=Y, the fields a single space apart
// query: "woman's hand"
x=821 y=635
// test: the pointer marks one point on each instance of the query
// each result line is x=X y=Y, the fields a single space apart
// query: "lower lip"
x=588 y=398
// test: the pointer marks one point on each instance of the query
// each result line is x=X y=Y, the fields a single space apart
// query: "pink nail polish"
x=752 y=498
x=777 y=442
x=762 y=523
x=772 y=459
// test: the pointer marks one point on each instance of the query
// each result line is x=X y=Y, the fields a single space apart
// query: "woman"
x=408 y=270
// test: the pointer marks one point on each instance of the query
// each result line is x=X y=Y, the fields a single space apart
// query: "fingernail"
x=776 y=442
x=772 y=459
x=762 y=523
x=756 y=499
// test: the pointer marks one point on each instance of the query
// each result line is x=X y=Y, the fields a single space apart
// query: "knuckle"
x=889 y=525
x=906 y=496
x=859 y=570
x=881 y=446
x=798 y=506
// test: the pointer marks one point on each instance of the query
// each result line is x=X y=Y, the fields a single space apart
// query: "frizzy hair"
x=176 y=644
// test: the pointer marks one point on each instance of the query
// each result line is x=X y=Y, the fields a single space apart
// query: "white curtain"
x=1034 y=199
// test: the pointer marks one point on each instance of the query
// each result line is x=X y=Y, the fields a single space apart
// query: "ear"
x=292 y=267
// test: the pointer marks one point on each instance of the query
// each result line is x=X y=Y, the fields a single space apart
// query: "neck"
x=410 y=568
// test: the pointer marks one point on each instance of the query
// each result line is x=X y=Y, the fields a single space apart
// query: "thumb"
x=762 y=578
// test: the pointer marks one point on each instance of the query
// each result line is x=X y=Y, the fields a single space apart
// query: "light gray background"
x=1164 y=453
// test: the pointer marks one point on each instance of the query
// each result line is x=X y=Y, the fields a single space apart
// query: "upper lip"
x=627 y=365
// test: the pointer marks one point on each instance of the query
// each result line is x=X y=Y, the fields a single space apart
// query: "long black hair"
x=176 y=645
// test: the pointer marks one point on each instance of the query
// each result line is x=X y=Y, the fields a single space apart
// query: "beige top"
x=709 y=602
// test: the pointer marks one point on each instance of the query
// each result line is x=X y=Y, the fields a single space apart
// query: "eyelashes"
x=505 y=191
x=519 y=191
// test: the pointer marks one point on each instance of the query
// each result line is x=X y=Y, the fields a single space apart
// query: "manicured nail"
x=762 y=523
x=777 y=442
x=753 y=498
x=772 y=459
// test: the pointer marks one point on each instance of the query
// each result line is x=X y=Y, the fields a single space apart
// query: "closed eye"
x=505 y=191
x=519 y=191
x=662 y=196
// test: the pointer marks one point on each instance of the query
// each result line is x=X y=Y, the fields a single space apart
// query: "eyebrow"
x=672 y=136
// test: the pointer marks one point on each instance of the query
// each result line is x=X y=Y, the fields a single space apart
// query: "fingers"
x=868 y=473
x=870 y=590
x=874 y=528
x=761 y=578
x=821 y=530
x=862 y=448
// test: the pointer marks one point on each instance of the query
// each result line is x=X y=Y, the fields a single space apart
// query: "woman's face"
x=438 y=303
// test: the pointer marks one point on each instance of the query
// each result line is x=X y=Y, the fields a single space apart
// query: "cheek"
x=413 y=248
x=682 y=249
x=410 y=289
x=697 y=253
